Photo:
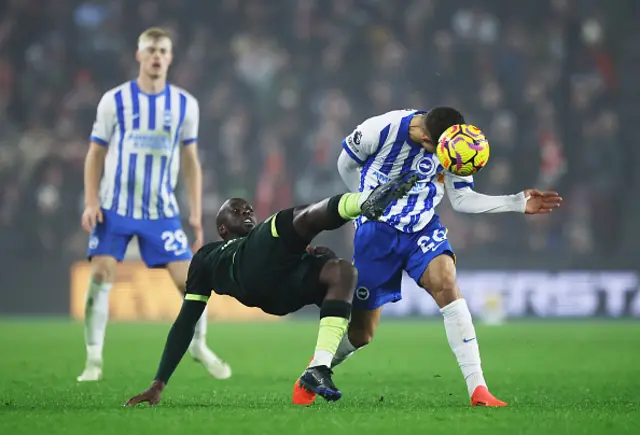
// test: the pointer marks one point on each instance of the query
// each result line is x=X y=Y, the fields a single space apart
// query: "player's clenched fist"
x=151 y=396
x=92 y=214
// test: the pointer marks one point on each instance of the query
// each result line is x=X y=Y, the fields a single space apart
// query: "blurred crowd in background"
x=553 y=84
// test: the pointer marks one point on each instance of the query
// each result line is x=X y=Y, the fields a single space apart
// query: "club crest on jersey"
x=426 y=167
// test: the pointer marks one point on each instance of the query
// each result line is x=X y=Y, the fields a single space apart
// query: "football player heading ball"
x=409 y=236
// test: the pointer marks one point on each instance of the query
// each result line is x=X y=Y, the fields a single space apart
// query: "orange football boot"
x=482 y=397
x=302 y=396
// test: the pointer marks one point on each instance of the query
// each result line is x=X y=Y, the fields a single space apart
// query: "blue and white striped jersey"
x=144 y=133
x=382 y=147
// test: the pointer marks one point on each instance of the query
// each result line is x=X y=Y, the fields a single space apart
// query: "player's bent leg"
x=198 y=348
x=103 y=270
x=332 y=213
x=439 y=279
x=359 y=333
x=339 y=278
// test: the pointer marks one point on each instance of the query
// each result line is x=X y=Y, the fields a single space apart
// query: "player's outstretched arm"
x=177 y=344
x=464 y=199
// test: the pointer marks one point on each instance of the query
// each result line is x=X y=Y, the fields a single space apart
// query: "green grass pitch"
x=558 y=377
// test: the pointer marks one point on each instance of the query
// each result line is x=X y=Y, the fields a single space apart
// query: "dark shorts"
x=274 y=270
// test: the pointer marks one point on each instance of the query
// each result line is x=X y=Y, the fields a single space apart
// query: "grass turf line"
x=559 y=378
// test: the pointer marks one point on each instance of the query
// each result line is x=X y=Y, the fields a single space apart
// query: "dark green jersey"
x=218 y=267
x=259 y=270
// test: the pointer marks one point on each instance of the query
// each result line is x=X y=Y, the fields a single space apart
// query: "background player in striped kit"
x=145 y=130
x=410 y=237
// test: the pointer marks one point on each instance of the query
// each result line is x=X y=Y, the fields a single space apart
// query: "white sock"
x=321 y=358
x=345 y=350
x=462 y=339
x=96 y=314
x=200 y=335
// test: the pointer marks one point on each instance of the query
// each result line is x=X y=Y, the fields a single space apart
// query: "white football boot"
x=93 y=367
x=214 y=365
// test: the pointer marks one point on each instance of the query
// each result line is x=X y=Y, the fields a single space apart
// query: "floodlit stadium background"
x=553 y=84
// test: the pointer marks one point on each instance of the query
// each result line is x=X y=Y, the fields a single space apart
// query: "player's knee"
x=340 y=277
x=445 y=289
x=303 y=222
x=102 y=271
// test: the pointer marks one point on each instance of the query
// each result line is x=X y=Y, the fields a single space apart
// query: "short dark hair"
x=438 y=120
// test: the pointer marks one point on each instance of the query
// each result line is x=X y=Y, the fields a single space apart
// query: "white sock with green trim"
x=96 y=318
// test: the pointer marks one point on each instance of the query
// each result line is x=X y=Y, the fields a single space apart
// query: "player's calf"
x=440 y=281
x=362 y=327
x=340 y=279
x=97 y=315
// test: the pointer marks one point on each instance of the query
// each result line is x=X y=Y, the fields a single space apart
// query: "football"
x=463 y=149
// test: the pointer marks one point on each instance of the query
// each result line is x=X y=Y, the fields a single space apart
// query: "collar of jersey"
x=140 y=91
x=410 y=117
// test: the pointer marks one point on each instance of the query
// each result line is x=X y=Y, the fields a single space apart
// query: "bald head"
x=235 y=219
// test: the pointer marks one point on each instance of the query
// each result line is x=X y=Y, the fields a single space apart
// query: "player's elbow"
x=96 y=152
x=190 y=162
x=457 y=202
x=191 y=169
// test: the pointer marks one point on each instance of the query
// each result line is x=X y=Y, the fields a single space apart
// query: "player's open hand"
x=198 y=234
x=91 y=216
x=541 y=202
x=151 y=396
